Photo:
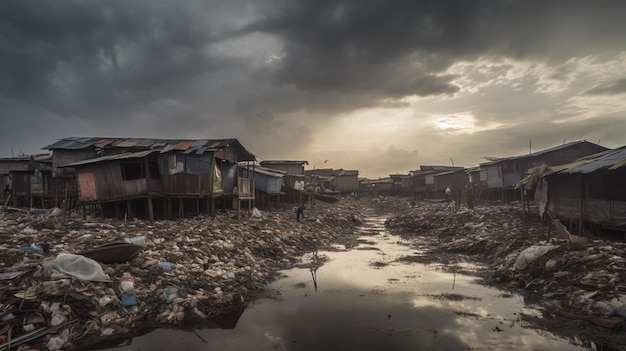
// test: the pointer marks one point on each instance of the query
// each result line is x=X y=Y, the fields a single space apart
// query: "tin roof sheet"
x=123 y=156
x=610 y=159
x=198 y=146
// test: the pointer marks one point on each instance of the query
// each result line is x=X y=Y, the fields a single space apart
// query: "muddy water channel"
x=360 y=296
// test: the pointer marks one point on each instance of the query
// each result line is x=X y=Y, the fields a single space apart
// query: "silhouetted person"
x=300 y=212
x=470 y=199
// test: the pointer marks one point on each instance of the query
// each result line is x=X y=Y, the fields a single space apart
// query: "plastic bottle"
x=127 y=283
x=127 y=286
x=167 y=265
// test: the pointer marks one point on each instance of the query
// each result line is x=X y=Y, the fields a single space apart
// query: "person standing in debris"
x=448 y=194
x=470 y=198
x=300 y=212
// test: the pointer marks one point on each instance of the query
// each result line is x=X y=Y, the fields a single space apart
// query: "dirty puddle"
x=362 y=298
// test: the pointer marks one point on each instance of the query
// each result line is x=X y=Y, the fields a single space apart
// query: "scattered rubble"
x=192 y=270
x=564 y=281
x=186 y=271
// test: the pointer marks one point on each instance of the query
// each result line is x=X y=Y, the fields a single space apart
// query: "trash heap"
x=186 y=271
x=583 y=284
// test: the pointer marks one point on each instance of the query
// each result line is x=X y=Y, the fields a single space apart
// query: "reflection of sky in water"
x=360 y=307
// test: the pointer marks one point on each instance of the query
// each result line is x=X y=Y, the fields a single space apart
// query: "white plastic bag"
x=530 y=254
x=81 y=267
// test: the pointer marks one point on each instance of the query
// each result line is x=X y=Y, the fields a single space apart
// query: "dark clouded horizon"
x=379 y=86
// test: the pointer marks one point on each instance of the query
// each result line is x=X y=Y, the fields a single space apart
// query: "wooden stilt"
x=129 y=209
x=181 y=208
x=150 y=209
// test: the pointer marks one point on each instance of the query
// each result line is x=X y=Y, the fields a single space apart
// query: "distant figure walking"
x=470 y=199
x=300 y=212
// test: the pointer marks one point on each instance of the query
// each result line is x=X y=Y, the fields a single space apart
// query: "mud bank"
x=186 y=272
x=582 y=292
x=190 y=271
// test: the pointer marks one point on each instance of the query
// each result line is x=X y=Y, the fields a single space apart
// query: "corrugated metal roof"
x=439 y=168
x=604 y=160
x=346 y=172
x=183 y=145
x=448 y=172
x=198 y=146
x=283 y=162
x=263 y=170
x=104 y=142
x=144 y=143
x=538 y=153
x=127 y=143
x=610 y=159
x=123 y=156
x=168 y=147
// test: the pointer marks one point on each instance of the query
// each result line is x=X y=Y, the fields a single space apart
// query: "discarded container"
x=169 y=294
x=127 y=283
x=55 y=212
x=32 y=248
x=129 y=299
x=167 y=265
x=105 y=300
x=138 y=240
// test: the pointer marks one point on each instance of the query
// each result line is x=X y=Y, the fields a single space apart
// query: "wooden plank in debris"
x=11 y=275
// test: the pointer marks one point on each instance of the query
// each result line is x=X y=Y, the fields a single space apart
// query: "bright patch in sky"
x=463 y=122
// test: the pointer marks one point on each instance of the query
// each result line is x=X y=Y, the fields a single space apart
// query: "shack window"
x=153 y=167
x=175 y=164
x=132 y=170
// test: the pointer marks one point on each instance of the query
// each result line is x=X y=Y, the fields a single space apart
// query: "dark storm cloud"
x=391 y=49
x=156 y=68
x=106 y=58
x=103 y=57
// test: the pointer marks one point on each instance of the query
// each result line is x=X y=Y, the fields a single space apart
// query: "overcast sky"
x=378 y=86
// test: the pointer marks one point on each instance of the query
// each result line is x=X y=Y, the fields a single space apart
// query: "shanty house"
x=266 y=179
x=346 y=181
x=504 y=173
x=477 y=179
x=7 y=165
x=288 y=166
x=376 y=187
x=456 y=180
x=25 y=179
x=294 y=171
x=423 y=180
x=401 y=184
x=588 y=191
x=131 y=171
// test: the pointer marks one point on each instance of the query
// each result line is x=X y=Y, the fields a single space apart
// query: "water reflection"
x=368 y=301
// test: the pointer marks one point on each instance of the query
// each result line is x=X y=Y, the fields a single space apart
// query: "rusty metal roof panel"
x=123 y=156
x=127 y=143
x=168 y=148
x=183 y=145
x=609 y=160
x=103 y=143
x=85 y=140
x=201 y=150
x=145 y=143
x=200 y=142
x=219 y=144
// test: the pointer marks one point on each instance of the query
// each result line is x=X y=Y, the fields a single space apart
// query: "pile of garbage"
x=524 y=254
x=68 y=282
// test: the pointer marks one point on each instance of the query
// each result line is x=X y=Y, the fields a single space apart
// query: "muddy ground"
x=570 y=281
x=195 y=269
